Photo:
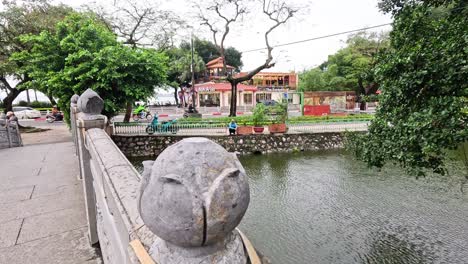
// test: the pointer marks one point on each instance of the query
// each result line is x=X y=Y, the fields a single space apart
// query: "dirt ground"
x=58 y=132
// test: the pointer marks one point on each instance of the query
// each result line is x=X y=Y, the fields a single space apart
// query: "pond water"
x=324 y=207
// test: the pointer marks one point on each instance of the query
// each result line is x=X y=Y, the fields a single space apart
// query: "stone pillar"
x=73 y=112
x=192 y=197
x=89 y=107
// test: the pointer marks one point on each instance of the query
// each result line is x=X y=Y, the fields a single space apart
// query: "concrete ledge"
x=116 y=185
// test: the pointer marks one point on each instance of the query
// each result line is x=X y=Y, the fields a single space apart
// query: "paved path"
x=42 y=212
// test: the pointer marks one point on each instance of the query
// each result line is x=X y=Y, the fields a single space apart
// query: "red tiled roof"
x=219 y=65
x=269 y=73
x=214 y=61
x=220 y=87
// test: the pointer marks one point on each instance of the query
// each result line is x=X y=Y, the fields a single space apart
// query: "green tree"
x=423 y=105
x=349 y=69
x=179 y=71
x=83 y=53
x=16 y=19
x=207 y=50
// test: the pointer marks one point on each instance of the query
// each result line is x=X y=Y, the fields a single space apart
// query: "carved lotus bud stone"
x=90 y=103
x=194 y=194
x=74 y=99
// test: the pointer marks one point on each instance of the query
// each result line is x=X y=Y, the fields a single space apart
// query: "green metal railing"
x=187 y=129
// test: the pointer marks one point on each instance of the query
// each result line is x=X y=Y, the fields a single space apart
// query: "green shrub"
x=279 y=112
x=23 y=103
x=258 y=116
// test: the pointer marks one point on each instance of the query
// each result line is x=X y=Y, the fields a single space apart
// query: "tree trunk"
x=8 y=100
x=27 y=97
x=233 y=107
x=176 y=96
x=128 y=112
x=51 y=99
x=362 y=105
x=35 y=94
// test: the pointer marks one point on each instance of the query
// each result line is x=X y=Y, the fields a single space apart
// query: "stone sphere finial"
x=90 y=103
x=74 y=99
x=194 y=194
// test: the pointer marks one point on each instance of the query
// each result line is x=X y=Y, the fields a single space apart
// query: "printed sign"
x=205 y=89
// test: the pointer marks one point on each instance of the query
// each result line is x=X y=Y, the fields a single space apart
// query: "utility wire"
x=321 y=37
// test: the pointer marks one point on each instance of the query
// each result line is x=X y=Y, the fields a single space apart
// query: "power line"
x=321 y=37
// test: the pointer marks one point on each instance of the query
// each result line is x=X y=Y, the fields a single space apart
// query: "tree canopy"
x=180 y=66
x=423 y=105
x=83 y=53
x=17 y=19
x=349 y=69
x=207 y=50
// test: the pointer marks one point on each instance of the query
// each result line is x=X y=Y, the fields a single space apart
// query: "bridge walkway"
x=42 y=211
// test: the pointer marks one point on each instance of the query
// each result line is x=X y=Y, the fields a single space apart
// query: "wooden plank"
x=253 y=256
x=141 y=252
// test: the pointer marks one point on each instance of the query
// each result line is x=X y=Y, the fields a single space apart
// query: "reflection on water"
x=324 y=207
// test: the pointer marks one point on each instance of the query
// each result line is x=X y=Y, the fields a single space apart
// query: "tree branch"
x=280 y=13
x=6 y=84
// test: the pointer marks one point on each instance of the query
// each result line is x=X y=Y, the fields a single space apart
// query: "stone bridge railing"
x=173 y=214
x=10 y=136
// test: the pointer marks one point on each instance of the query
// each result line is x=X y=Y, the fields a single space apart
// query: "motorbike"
x=50 y=118
x=163 y=127
x=145 y=114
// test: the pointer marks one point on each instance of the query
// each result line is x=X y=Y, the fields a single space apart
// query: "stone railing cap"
x=194 y=194
x=90 y=103
x=74 y=99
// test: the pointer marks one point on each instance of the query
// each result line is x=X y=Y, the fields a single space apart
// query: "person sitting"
x=11 y=117
x=55 y=112
x=139 y=109
x=232 y=127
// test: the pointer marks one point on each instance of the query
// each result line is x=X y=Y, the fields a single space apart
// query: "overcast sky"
x=316 y=18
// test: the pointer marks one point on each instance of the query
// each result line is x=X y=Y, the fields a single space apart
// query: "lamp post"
x=193 y=76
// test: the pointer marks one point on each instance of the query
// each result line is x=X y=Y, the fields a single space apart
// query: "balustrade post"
x=89 y=106
x=73 y=112
x=192 y=197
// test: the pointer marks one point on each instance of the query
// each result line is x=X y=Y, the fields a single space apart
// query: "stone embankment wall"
x=139 y=146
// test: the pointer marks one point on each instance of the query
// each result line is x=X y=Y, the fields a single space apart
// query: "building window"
x=262 y=97
x=211 y=99
x=248 y=99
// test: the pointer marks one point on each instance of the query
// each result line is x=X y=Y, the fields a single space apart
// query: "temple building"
x=214 y=70
x=264 y=86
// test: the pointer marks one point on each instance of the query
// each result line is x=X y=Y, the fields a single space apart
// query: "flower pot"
x=259 y=130
x=244 y=130
x=277 y=128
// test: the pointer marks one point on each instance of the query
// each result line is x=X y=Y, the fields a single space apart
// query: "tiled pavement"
x=42 y=213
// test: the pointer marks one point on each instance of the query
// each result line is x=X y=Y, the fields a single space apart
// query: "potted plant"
x=279 y=122
x=244 y=129
x=258 y=118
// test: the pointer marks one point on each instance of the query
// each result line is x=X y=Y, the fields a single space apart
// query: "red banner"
x=316 y=110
